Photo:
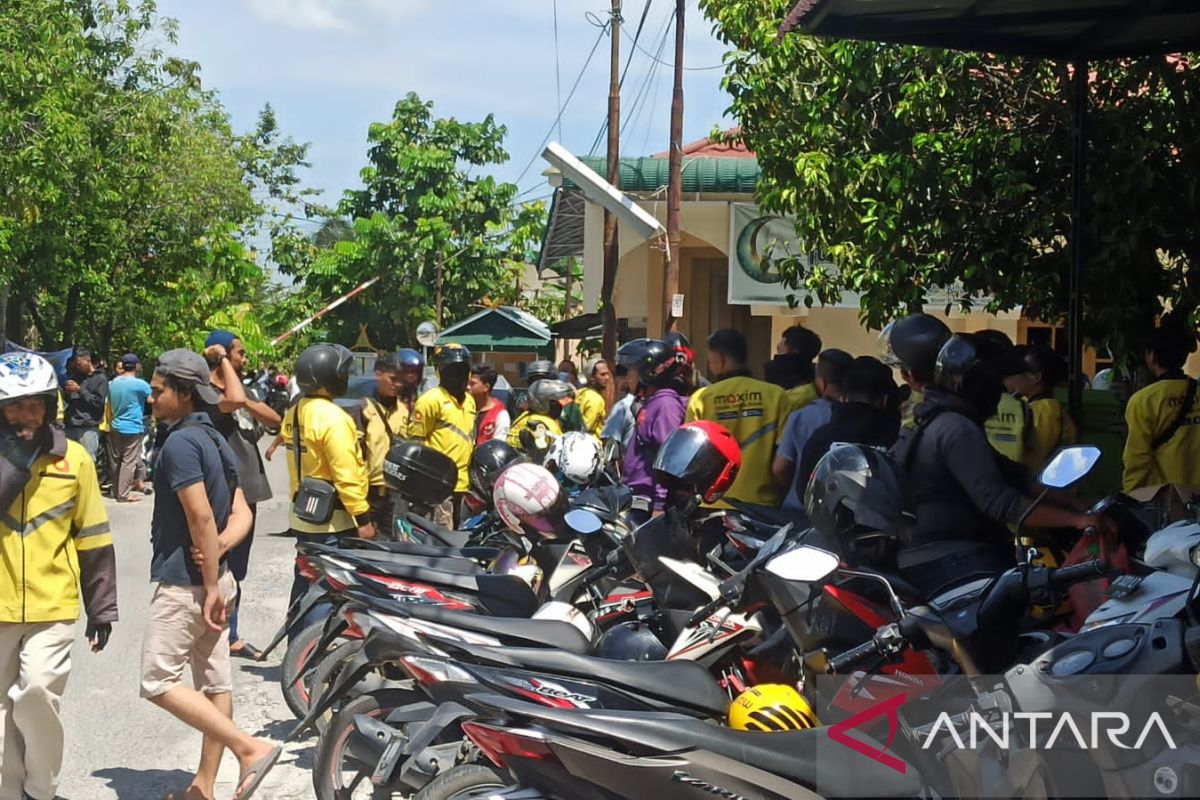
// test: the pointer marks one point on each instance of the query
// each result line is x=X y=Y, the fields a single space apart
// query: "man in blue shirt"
x=127 y=396
x=832 y=365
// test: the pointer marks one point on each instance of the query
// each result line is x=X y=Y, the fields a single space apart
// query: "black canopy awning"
x=1064 y=29
x=584 y=326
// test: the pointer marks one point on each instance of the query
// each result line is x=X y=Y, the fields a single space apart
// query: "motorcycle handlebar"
x=704 y=612
x=851 y=657
x=1067 y=576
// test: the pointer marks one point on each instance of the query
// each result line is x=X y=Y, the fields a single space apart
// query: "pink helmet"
x=530 y=501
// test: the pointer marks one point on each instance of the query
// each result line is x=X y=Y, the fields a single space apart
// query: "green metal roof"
x=503 y=329
x=700 y=175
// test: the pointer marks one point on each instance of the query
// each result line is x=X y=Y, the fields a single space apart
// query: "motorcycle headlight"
x=1195 y=556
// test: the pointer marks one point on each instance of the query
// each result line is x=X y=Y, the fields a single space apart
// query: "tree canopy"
x=912 y=169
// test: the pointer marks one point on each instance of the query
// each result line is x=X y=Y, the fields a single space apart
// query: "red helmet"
x=700 y=457
x=281 y=380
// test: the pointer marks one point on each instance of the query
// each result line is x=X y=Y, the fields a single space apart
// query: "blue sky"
x=331 y=67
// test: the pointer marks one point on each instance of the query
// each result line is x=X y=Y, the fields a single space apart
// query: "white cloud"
x=334 y=14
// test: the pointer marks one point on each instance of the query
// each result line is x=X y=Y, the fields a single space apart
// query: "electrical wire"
x=557 y=71
x=603 y=132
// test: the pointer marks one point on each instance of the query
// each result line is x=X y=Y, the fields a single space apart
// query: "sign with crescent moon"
x=757 y=242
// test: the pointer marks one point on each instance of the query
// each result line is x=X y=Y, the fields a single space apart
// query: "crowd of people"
x=971 y=422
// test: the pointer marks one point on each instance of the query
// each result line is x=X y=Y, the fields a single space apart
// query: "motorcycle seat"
x=511 y=630
x=501 y=595
x=481 y=554
x=447 y=536
x=809 y=757
x=380 y=560
x=677 y=682
x=763 y=516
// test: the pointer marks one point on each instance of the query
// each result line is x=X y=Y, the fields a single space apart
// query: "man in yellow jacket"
x=386 y=419
x=54 y=539
x=329 y=450
x=444 y=419
x=1164 y=418
x=753 y=411
x=590 y=398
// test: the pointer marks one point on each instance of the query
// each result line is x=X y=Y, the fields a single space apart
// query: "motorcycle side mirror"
x=805 y=563
x=1069 y=466
x=583 y=522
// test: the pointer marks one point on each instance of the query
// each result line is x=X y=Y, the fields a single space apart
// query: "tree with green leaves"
x=443 y=234
x=912 y=169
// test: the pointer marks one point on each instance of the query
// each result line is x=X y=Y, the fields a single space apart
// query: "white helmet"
x=530 y=501
x=576 y=456
x=28 y=375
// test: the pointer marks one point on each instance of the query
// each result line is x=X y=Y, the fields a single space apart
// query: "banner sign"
x=756 y=240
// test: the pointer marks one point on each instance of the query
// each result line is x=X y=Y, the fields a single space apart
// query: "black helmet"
x=631 y=641
x=856 y=489
x=657 y=362
x=968 y=366
x=912 y=343
x=323 y=370
x=545 y=396
x=487 y=462
x=541 y=370
x=447 y=354
x=408 y=359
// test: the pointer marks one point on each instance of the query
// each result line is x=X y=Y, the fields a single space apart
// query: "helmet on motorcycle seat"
x=701 y=458
x=856 y=489
x=631 y=641
x=912 y=343
x=576 y=457
x=323 y=370
x=530 y=501
x=25 y=375
x=546 y=396
x=487 y=462
x=970 y=367
x=771 y=707
x=447 y=355
x=409 y=360
x=541 y=370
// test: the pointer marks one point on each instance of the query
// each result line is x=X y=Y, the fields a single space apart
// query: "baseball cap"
x=192 y=368
x=129 y=360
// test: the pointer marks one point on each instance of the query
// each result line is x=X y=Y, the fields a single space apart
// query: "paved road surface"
x=120 y=746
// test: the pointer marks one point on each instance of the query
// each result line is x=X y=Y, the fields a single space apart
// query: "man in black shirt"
x=86 y=392
x=862 y=418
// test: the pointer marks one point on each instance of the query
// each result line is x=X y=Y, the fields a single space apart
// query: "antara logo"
x=1110 y=725
x=891 y=708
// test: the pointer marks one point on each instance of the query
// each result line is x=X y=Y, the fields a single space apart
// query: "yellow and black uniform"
x=440 y=421
x=754 y=412
x=801 y=395
x=1006 y=431
x=1149 y=414
x=383 y=425
x=1051 y=427
x=330 y=451
x=594 y=409
x=914 y=399
x=536 y=427
x=54 y=537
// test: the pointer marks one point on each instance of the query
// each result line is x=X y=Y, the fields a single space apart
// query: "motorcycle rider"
x=659 y=375
x=444 y=419
x=1051 y=426
x=832 y=365
x=965 y=493
x=591 y=398
x=911 y=344
x=408 y=375
x=56 y=551
x=535 y=430
x=329 y=449
x=385 y=418
x=862 y=417
x=1008 y=429
x=752 y=410
x=792 y=366
x=1164 y=437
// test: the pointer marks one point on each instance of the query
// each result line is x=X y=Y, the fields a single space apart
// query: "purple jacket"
x=661 y=414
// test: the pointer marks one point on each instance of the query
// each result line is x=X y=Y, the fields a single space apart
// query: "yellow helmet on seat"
x=771 y=707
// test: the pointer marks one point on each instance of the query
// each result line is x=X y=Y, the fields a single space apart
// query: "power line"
x=621 y=84
x=557 y=70
x=563 y=108
x=672 y=66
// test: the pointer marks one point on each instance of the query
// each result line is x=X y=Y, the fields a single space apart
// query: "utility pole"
x=609 y=281
x=674 y=176
x=437 y=301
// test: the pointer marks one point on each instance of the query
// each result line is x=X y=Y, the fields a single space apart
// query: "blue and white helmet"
x=27 y=375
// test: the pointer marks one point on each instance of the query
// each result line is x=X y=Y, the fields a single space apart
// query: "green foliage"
x=426 y=209
x=914 y=168
x=126 y=199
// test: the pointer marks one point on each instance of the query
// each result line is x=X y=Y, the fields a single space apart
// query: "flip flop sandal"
x=247 y=651
x=258 y=770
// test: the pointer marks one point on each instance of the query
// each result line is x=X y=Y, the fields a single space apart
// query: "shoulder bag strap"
x=383 y=417
x=1189 y=397
x=296 y=443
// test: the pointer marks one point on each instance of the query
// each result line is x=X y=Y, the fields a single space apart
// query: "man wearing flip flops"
x=200 y=513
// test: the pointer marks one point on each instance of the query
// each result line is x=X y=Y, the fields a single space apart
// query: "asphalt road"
x=120 y=746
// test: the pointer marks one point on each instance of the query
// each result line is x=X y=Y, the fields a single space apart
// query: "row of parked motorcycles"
x=723 y=653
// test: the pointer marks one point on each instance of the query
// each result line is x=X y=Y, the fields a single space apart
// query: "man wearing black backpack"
x=200 y=514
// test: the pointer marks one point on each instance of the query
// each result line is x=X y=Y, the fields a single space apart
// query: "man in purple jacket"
x=659 y=408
